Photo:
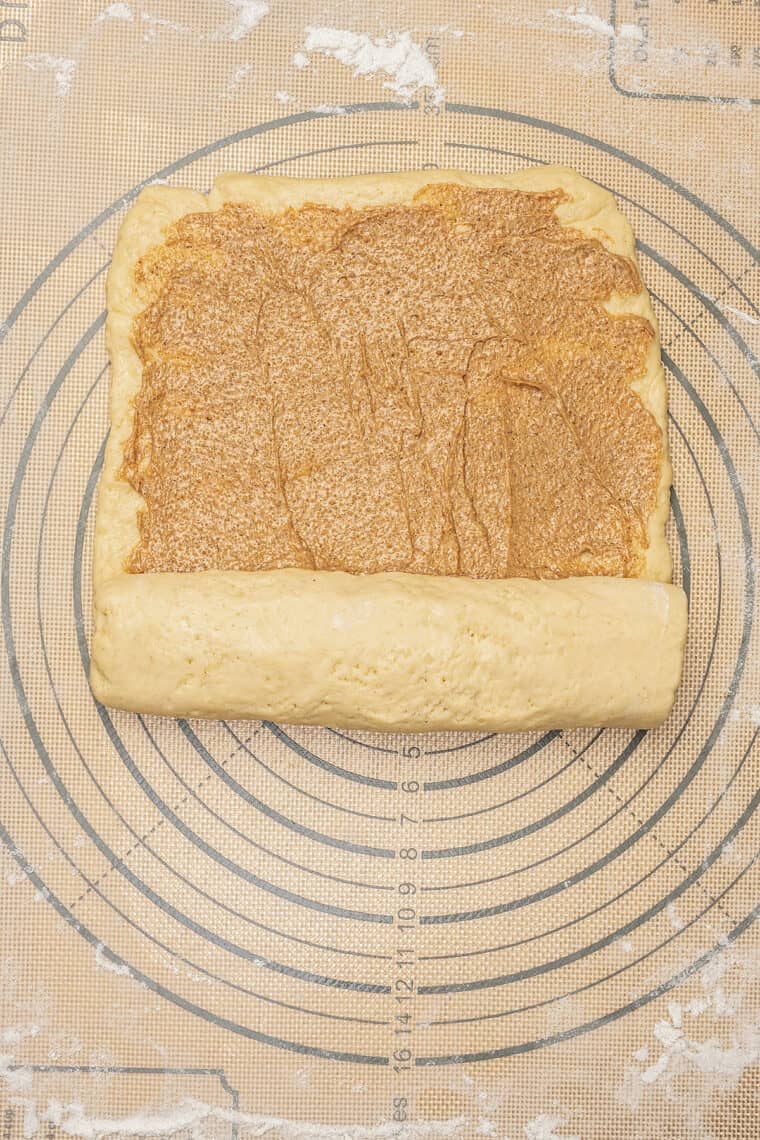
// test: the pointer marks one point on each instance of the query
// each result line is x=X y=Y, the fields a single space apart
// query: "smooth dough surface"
x=382 y=651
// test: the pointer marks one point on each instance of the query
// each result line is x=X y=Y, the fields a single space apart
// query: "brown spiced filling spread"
x=433 y=388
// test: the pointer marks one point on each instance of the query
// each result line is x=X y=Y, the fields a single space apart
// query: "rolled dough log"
x=391 y=652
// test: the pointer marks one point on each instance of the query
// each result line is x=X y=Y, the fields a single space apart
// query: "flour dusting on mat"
x=544 y=1127
x=740 y=313
x=675 y=919
x=397 y=56
x=595 y=25
x=329 y=109
x=63 y=70
x=749 y=713
x=702 y=1047
x=115 y=12
x=237 y=77
x=189 y=1114
x=31 y=1122
x=15 y=1077
x=248 y=14
x=154 y=23
x=106 y=962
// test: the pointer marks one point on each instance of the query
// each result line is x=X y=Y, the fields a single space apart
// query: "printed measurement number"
x=406 y=926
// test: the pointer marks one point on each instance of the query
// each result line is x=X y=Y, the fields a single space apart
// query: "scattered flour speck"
x=16 y=1079
x=283 y=97
x=31 y=1121
x=300 y=60
x=108 y=963
x=63 y=70
x=248 y=14
x=713 y=973
x=544 y=1127
x=115 y=12
x=675 y=920
x=703 y=1046
x=676 y=1013
x=189 y=1115
x=398 y=56
x=595 y=25
x=650 y=1075
x=154 y=23
x=668 y=1035
x=238 y=75
x=740 y=313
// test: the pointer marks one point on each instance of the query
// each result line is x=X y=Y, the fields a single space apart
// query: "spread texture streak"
x=432 y=387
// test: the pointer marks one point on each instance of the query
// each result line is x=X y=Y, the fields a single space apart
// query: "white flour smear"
x=329 y=109
x=248 y=14
x=63 y=70
x=398 y=56
x=245 y=16
x=675 y=919
x=702 y=1048
x=750 y=713
x=73 y=1119
x=154 y=24
x=103 y=959
x=595 y=25
x=237 y=77
x=16 y=1079
x=189 y=1115
x=740 y=313
x=544 y=1127
x=597 y=34
x=31 y=1121
x=115 y=12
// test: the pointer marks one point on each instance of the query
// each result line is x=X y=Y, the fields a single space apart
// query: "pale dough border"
x=386 y=651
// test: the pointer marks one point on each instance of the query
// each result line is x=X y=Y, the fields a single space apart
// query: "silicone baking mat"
x=231 y=930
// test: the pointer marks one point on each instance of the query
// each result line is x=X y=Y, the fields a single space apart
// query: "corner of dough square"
x=386 y=452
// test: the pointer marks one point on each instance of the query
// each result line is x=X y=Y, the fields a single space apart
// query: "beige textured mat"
x=233 y=930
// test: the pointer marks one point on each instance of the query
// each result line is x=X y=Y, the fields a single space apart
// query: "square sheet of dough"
x=385 y=651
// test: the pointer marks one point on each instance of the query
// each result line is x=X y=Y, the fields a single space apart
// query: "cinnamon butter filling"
x=434 y=388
